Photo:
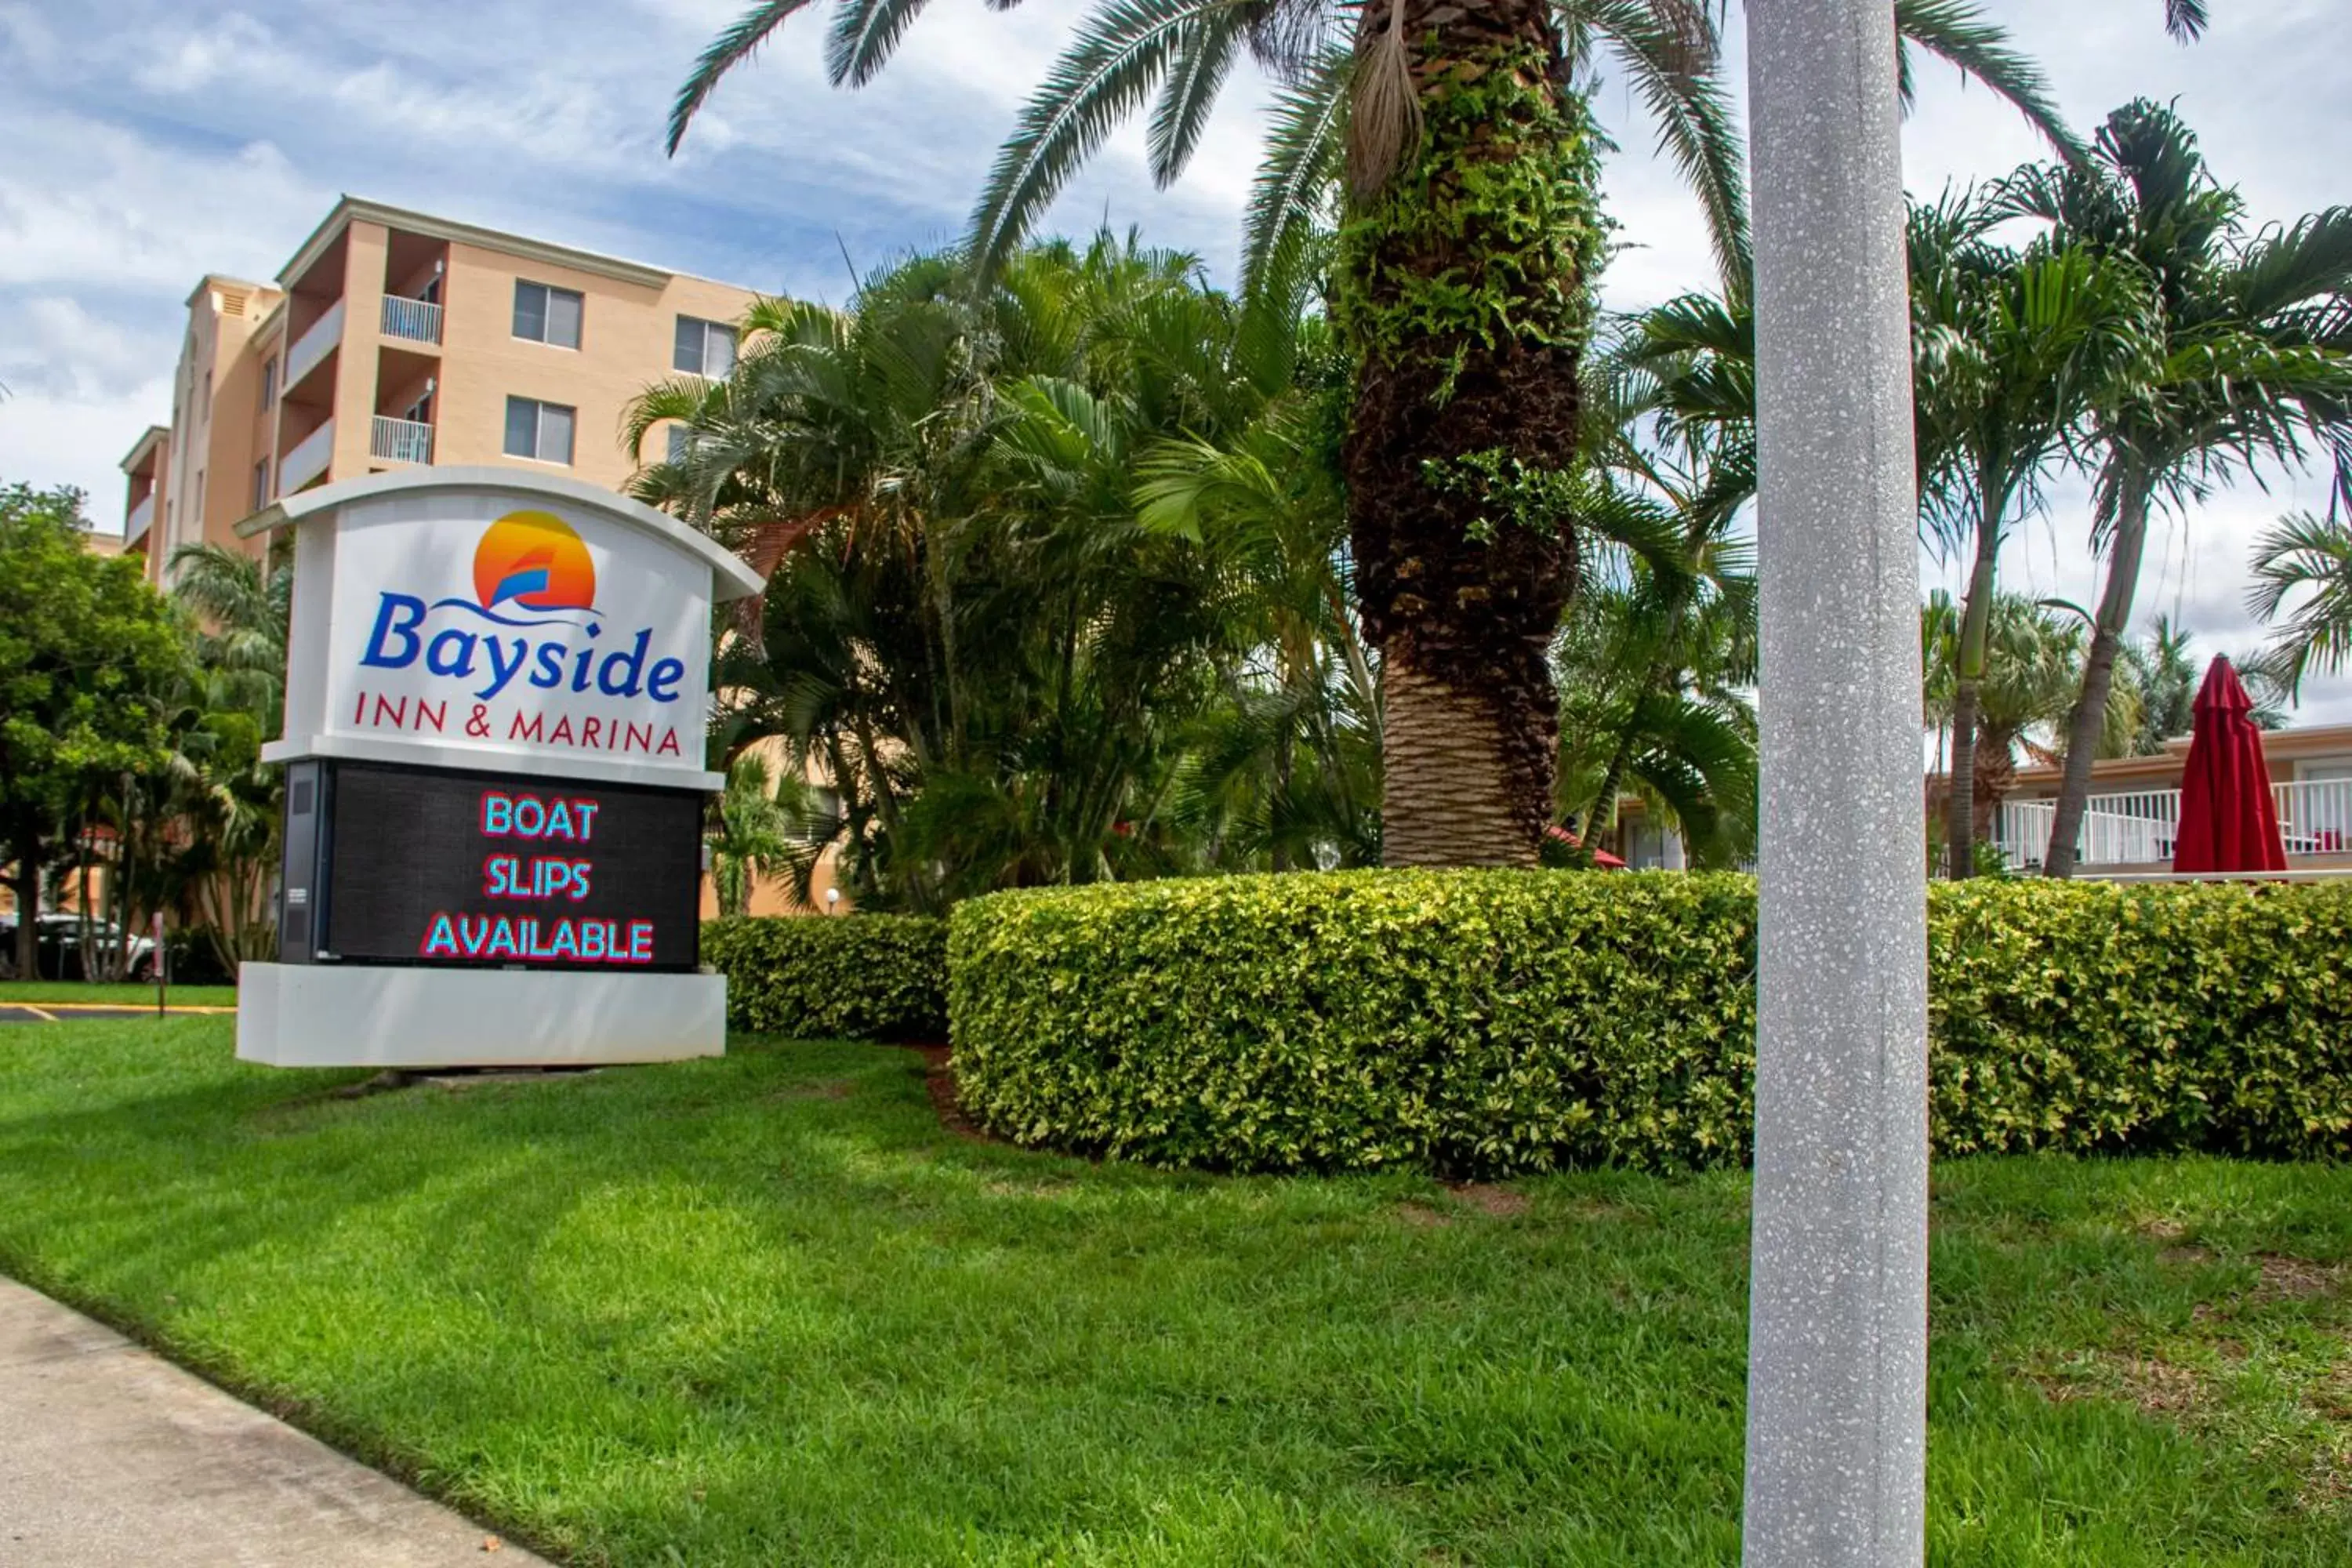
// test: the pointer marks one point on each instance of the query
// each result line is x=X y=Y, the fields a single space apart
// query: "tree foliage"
x=88 y=654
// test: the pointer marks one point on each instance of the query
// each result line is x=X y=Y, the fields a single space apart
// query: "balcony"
x=2136 y=831
x=314 y=345
x=307 y=460
x=141 y=519
x=418 y=320
x=401 y=440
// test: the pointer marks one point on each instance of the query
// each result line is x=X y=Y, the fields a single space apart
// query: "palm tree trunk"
x=1967 y=674
x=2090 y=717
x=1603 y=815
x=27 y=844
x=1439 y=745
x=1465 y=294
x=1995 y=776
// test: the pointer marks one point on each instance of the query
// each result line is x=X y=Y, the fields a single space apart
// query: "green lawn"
x=764 y=1310
x=45 y=990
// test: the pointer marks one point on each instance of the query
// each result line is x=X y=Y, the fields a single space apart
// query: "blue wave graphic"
x=474 y=609
x=515 y=584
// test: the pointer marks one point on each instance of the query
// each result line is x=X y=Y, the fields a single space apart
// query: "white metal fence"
x=2141 y=827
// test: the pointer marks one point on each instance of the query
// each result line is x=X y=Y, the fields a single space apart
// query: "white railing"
x=2141 y=827
x=419 y=321
x=401 y=440
x=2316 y=816
x=311 y=347
x=141 y=519
x=307 y=460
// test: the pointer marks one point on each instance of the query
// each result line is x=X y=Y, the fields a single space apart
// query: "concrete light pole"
x=1837 y=1350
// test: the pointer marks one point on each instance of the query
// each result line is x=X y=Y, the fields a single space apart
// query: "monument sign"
x=496 y=699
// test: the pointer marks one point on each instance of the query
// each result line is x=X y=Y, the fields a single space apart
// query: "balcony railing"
x=419 y=321
x=141 y=519
x=307 y=460
x=313 y=346
x=2140 y=829
x=401 y=440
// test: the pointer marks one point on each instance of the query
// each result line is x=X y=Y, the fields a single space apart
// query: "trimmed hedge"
x=1490 y=1022
x=858 y=977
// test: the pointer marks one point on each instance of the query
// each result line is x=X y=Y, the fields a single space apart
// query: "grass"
x=763 y=1310
x=45 y=991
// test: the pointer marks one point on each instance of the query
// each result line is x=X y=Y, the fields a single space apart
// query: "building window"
x=205 y=397
x=260 y=485
x=545 y=315
x=421 y=411
x=538 y=430
x=704 y=348
x=268 y=383
x=681 y=440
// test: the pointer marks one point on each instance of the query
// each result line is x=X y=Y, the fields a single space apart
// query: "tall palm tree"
x=2248 y=360
x=1470 y=242
x=2011 y=348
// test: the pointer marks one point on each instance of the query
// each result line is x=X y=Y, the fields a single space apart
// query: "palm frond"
x=2309 y=262
x=728 y=50
x=2306 y=550
x=2185 y=20
x=1670 y=53
x=1956 y=32
x=863 y=34
x=1118 y=55
x=1290 y=194
x=1195 y=79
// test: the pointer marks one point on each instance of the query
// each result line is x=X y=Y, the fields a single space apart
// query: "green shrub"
x=1488 y=1022
x=861 y=977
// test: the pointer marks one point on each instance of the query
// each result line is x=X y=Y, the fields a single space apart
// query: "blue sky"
x=151 y=143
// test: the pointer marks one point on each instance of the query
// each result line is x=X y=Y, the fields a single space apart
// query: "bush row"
x=1486 y=1022
x=871 y=977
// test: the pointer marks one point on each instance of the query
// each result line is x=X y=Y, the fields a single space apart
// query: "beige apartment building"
x=394 y=338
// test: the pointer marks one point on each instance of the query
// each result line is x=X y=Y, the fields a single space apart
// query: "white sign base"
x=354 y=1015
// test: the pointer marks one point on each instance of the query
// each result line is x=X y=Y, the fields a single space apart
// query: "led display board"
x=434 y=866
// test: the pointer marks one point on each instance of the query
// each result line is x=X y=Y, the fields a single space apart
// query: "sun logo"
x=533 y=561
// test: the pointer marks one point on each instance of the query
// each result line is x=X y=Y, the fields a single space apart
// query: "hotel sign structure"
x=496 y=693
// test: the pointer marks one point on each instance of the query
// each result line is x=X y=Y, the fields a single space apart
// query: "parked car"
x=56 y=947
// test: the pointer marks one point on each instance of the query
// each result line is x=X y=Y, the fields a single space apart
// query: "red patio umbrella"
x=2228 y=820
x=1601 y=858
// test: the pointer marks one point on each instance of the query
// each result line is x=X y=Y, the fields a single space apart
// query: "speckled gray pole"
x=1837 y=1350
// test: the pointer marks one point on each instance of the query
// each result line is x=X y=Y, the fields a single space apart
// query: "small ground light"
x=832 y=900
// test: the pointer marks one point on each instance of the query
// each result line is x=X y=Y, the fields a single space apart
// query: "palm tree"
x=1007 y=665
x=1655 y=673
x=2034 y=657
x=1290 y=765
x=2249 y=359
x=753 y=836
x=1469 y=244
x=230 y=799
x=2306 y=550
x=2012 y=349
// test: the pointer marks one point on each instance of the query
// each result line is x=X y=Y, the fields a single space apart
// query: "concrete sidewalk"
x=112 y=1458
